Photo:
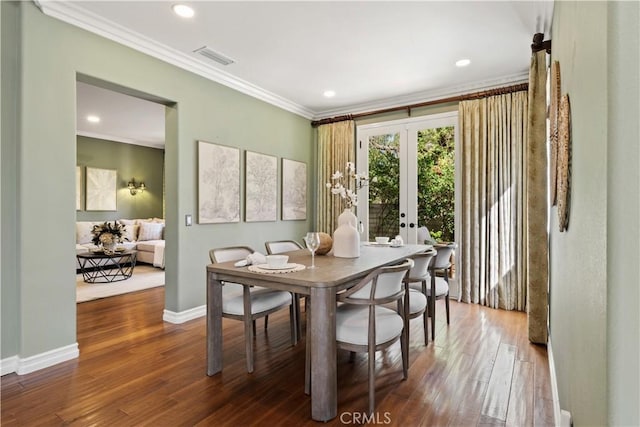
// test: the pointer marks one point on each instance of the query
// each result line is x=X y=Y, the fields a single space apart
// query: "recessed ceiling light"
x=93 y=119
x=329 y=93
x=463 y=62
x=183 y=10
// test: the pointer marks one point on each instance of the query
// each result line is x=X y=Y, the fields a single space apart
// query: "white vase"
x=109 y=248
x=346 y=239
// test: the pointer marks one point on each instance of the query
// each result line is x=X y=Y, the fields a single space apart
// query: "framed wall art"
x=261 y=187
x=294 y=190
x=101 y=189
x=218 y=183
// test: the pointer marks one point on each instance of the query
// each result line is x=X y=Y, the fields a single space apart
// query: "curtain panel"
x=336 y=147
x=492 y=240
x=536 y=208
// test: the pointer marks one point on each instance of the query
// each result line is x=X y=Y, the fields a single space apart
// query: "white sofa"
x=144 y=235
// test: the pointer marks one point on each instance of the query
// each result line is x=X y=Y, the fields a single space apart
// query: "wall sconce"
x=133 y=188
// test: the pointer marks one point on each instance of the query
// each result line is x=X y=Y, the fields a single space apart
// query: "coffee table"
x=98 y=267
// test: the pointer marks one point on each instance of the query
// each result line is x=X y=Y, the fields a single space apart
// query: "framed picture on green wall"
x=101 y=189
x=261 y=187
x=294 y=190
x=218 y=183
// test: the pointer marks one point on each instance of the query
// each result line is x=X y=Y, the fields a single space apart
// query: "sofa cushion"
x=149 y=245
x=83 y=231
x=150 y=231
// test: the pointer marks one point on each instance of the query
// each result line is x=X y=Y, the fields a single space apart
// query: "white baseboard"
x=562 y=418
x=9 y=365
x=30 y=364
x=565 y=418
x=184 y=316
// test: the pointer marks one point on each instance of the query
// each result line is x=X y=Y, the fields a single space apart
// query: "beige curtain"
x=493 y=140
x=537 y=242
x=336 y=147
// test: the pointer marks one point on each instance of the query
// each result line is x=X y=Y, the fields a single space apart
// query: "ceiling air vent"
x=213 y=55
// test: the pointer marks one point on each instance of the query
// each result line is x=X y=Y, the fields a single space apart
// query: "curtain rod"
x=539 y=43
x=408 y=108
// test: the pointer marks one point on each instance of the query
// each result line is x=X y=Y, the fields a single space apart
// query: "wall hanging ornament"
x=553 y=128
x=564 y=162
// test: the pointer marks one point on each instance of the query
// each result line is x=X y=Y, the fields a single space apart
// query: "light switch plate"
x=188 y=220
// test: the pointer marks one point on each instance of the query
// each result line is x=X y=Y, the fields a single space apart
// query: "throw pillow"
x=150 y=231
x=131 y=232
x=83 y=232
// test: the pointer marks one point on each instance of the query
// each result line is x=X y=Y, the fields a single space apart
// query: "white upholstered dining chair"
x=280 y=246
x=438 y=279
x=418 y=278
x=364 y=325
x=235 y=297
x=277 y=247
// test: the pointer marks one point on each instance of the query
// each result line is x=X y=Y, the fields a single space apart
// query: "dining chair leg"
x=446 y=303
x=431 y=302
x=446 y=298
x=432 y=313
x=425 y=325
x=404 y=338
x=372 y=378
x=404 y=348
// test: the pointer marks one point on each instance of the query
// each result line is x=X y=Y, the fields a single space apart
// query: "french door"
x=399 y=158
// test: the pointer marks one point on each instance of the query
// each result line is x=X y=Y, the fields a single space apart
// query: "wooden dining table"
x=330 y=276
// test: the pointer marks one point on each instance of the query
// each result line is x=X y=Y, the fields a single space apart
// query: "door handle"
x=411 y=225
x=402 y=225
x=402 y=215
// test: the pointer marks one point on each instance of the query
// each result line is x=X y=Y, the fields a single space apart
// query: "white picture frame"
x=101 y=191
x=294 y=190
x=261 y=187
x=218 y=183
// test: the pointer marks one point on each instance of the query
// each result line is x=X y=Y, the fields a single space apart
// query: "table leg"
x=214 y=324
x=324 y=389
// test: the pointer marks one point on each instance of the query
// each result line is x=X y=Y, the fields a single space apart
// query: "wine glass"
x=312 y=239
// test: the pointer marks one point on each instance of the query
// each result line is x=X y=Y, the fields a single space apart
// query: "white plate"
x=379 y=244
x=284 y=267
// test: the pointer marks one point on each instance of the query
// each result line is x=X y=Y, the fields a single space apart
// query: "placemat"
x=257 y=269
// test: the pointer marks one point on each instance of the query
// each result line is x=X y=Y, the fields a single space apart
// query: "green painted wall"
x=131 y=161
x=9 y=149
x=594 y=337
x=53 y=53
x=623 y=214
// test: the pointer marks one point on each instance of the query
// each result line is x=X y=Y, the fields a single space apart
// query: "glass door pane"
x=384 y=185
x=436 y=182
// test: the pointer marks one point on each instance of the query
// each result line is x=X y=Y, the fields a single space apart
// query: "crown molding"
x=425 y=96
x=70 y=13
x=97 y=135
x=79 y=17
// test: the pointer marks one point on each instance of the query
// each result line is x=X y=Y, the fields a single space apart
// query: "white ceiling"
x=373 y=54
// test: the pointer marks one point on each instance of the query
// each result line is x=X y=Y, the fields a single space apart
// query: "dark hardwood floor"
x=135 y=369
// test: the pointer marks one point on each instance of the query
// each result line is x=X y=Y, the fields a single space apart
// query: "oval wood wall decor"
x=553 y=128
x=564 y=158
